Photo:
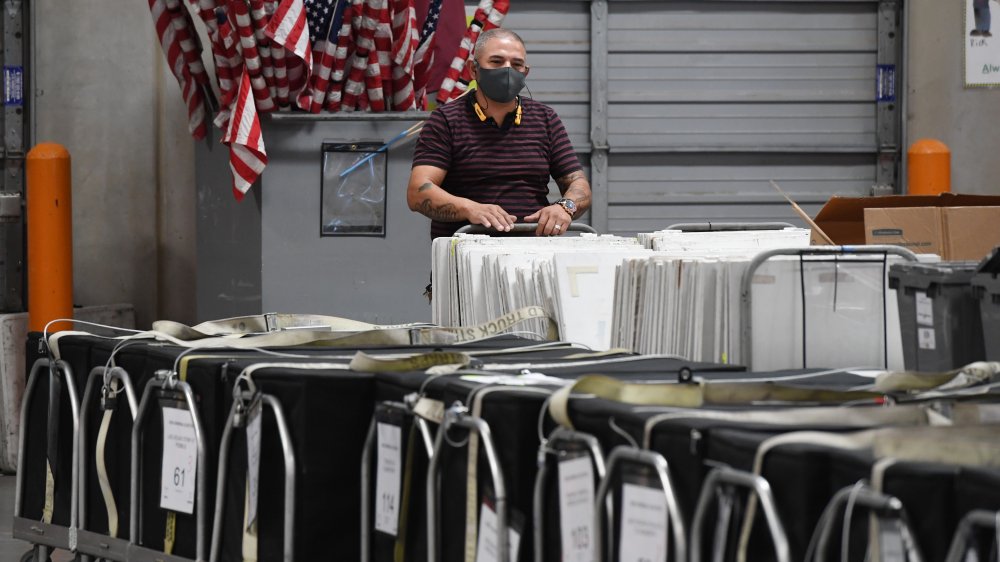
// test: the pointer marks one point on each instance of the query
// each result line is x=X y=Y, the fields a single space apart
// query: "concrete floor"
x=12 y=549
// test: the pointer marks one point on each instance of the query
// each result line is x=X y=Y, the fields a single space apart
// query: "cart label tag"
x=644 y=524
x=576 y=509
x=180 y=461
x=925 y=310
x=925 y=338
x=253 y=462
x=388 y=478
x=486 y=550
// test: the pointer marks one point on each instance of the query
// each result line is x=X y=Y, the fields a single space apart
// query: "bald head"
x=496 y=33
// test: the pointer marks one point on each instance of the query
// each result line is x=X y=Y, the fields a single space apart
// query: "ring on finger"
x=558 y=226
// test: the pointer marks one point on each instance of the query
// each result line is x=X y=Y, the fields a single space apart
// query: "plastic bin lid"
x=991 y=263
x=985 y=283
x=923 y=275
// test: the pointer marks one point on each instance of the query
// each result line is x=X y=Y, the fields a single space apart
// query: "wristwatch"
x=569 y=205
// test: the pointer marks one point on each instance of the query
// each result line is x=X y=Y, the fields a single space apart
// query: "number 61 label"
x=180 y=461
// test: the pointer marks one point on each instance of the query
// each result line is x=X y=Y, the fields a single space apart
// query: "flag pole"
x=383 y=148
x=407 y=133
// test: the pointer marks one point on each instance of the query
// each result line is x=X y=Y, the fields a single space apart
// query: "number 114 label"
x=180 y=461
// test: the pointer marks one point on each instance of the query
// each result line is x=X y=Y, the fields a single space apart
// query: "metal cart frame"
x=90 y=543
x=559 y=436
x=746 y=291
x=244 y=399
x=457 y=416
x=973 y=519
x=870 y=499
x=524 y=227
x=623 y=453
x=47 y=535
x=738 y=478
x=366 y=468
x=166 y=380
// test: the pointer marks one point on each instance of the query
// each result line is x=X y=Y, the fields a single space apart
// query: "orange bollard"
x=50 y=237
x=928 y=167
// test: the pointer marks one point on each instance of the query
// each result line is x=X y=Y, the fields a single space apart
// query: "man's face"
x=500 y=52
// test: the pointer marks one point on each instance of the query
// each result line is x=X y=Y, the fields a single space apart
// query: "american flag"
x=423 y=57
x=197 y=122
x=288 y=27
x=430 y=22
x=247 y=155
x=335 y=90
x=319 y=15
x=489 y=15
x=325 y=60
x=405 y=38
x=251 y=56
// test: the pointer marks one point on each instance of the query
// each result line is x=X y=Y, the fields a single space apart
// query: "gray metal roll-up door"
x=710 y=100
x=705 y=102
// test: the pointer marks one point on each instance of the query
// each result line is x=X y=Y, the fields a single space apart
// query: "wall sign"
x=982 y=49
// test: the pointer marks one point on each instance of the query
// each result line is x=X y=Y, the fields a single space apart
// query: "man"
x=486 y=158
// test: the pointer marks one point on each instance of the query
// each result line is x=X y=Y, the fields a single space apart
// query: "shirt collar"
x=508 y=120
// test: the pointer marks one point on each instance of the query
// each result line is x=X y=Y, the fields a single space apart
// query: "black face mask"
x=500 y=84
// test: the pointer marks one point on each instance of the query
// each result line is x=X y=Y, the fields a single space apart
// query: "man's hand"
x=425 y=196
x=490 y=216
x=552 y=220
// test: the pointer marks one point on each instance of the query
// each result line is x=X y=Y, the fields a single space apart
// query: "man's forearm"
x=576 y=187
x=441 y=211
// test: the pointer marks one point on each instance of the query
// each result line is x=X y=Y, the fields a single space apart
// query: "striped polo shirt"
x=507 y=165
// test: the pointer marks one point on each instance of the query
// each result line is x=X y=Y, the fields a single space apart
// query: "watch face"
x=569 y=204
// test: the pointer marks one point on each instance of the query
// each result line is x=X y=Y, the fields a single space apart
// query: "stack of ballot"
x=477 y=279
x=811 y=311
x=678 y=293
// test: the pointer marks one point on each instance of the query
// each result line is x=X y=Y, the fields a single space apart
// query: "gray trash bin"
x=938 y=315
x=986 y=288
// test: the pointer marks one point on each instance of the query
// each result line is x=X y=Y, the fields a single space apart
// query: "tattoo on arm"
x=574 y=186
x=567 y=180
x=444 y=213
x=425 y=187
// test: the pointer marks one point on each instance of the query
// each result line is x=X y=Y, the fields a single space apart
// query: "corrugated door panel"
x=558 y=77
x=709 y=126
x=550 y=26
x=741 y=26
x=657 y=189
x=710 y=100
x=628 y=220
x=557 y=37
x=747 y=77
x=666 y=178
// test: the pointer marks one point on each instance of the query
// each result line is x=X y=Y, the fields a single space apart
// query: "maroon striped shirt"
x=507 y=165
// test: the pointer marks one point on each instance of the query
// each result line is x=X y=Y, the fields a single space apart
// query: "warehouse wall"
x=967 y=120
x=104 y=92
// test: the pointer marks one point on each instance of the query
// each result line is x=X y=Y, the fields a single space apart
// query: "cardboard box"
x=956 y=227
x=918 y=229
x=954 y=233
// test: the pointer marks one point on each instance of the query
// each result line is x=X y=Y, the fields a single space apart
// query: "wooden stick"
x=804 y=216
